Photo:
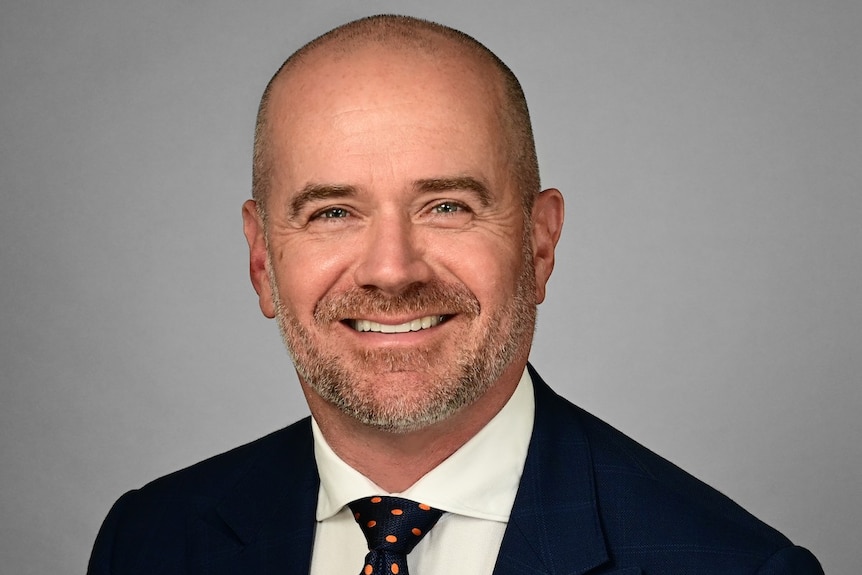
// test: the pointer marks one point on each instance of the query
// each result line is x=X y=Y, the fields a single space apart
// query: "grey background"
x=706 y=299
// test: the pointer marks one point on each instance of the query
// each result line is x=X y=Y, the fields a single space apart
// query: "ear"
x=548 y=214
x=258 y=262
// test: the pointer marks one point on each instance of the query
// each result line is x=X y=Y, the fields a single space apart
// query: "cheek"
x=305 y=274
x=489 y=269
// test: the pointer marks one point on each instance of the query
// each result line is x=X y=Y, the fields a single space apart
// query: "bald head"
x=410 y=38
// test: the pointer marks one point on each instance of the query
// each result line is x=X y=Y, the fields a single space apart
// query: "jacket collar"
x=554 y=527
x=265 y=524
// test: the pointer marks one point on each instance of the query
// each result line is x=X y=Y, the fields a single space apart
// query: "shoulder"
x=654 y=513
x=647 y=502
x=284 y=451
x=154 y=522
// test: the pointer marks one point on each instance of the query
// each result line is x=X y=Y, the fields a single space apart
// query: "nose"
x=391 y=257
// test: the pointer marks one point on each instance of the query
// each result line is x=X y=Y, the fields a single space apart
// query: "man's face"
x=398 y=263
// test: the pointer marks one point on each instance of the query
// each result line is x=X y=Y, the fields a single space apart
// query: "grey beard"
x=475 y=368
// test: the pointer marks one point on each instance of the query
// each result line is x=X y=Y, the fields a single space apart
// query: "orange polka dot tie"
x=392 y=526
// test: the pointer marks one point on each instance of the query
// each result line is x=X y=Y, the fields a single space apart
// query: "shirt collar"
x=479 y=480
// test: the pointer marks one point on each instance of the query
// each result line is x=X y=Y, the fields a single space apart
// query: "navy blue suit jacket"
x=591 y=500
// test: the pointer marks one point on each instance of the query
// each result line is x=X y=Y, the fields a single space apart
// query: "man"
x=399 y=236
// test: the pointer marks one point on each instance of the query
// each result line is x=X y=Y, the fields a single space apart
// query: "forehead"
x=380 y=99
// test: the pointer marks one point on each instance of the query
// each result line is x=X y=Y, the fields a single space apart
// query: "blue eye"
x=332 y=213
x=448 y=208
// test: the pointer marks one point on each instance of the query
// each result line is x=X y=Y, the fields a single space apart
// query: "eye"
x=331 y=214
x=448 y=208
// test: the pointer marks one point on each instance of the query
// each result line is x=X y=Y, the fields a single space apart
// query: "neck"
x=395 y=461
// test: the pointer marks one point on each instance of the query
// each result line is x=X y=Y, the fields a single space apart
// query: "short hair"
x=425 y=36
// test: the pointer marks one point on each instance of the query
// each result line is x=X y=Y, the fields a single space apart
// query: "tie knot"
x=392 y=523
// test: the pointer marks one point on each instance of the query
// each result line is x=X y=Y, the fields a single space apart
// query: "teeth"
x=415 y=325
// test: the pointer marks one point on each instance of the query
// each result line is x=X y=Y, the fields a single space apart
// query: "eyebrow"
x=313 y=192
x=458 y=183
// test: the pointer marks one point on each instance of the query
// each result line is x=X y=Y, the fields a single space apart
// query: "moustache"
x=432 y=298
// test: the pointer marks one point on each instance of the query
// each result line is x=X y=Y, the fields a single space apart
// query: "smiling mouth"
x=414 y=325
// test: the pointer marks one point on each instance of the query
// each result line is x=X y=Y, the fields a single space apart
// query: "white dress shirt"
x=476 y=486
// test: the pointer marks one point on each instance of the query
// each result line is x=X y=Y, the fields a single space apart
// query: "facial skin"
x=393 y=202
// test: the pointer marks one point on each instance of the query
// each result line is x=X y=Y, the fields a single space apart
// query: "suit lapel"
x=265 y=525
x=554 y=527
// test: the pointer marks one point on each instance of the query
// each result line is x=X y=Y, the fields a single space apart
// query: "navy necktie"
x=392 y=526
